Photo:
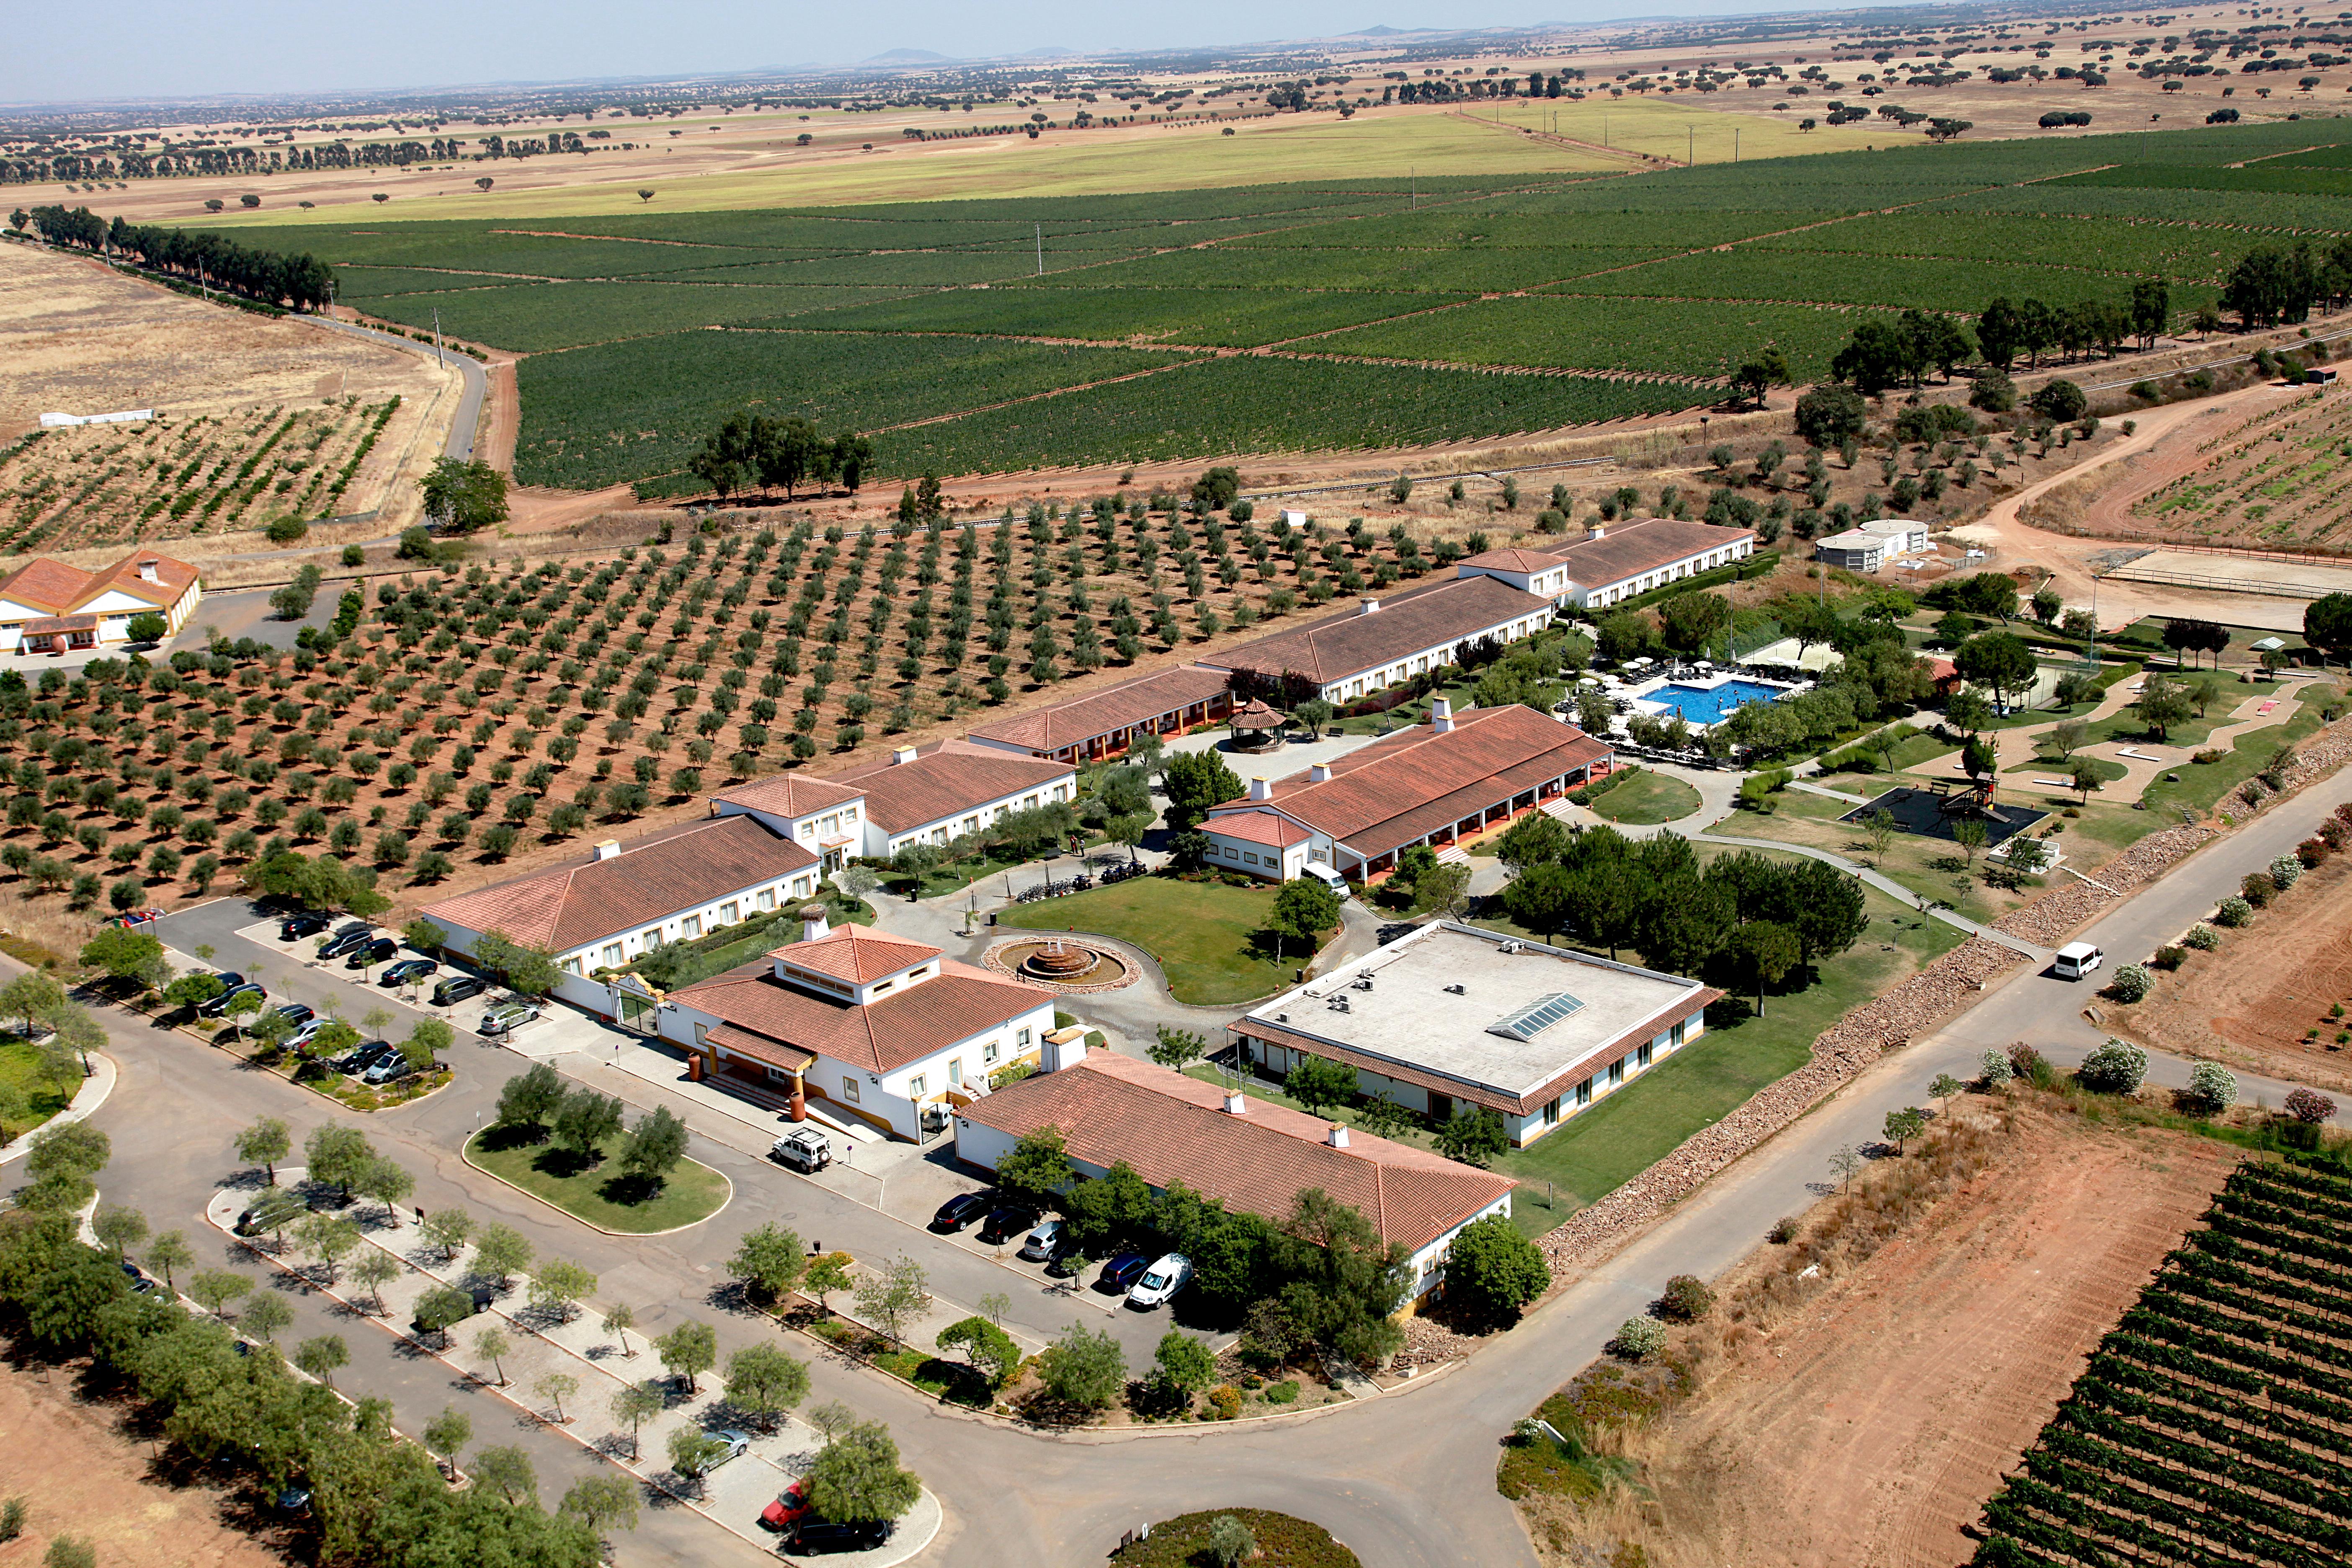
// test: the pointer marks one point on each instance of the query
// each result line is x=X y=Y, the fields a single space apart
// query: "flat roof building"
x=1452 y=1016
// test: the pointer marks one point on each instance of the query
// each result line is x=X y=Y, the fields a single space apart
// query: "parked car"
x=458 y=988
x=295 y=1502
x=218 y=1006
x=1004 y=1223
x=358 y=1059
x=229 y=978
x=738 y=1443
x=388 y=1070
x=380 y=950
x=1041 y=1243
x=506 y=1020
x=962 y=1210
x=1122 y=1271
x=817 y=1536
x=293 y=928
x=139 y=1280
x=1161 y=1282
x=297 y=1012
x=345 y=942
x=305 y=1032
x=791 y=1507
x=406 y=970
x=805 y=1149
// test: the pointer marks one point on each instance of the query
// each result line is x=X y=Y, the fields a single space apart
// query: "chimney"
x=813 y=924
x=1338 y=1136
x=1065 y=1048
x=1369 y=607
x=903 y=754
x=1441 y=716
x=1320 y=773
x=1260 y=789
x=1593 y=531
x=609 y=849
x=1236 y=1105
x=147 y=571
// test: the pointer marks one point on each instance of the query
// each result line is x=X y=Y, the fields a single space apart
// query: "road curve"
x=473 y=382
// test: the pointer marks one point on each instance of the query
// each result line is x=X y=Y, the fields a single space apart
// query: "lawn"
x=1633 y=1129
x=2202 y=784
x=599 y=1193
x=20 y=1074
x=1210 y=938
x=1642 y=798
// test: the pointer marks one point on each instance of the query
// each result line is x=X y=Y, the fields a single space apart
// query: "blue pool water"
x=1710 y=705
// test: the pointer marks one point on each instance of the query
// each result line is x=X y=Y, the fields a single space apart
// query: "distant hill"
x=907 y=57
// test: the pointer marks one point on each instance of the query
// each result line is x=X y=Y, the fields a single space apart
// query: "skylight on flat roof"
x=1526 y=1023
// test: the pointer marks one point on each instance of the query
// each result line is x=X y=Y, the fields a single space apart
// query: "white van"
x=2077 y=959
x=1322 y=871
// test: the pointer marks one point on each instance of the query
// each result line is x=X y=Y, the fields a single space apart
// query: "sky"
x=167 y=48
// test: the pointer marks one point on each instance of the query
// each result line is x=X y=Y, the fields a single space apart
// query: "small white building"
x=1852 y=550
x=881 y=1029
x=1260 y=843
x=626 y=898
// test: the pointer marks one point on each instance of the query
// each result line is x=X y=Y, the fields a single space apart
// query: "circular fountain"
x=1061 y=961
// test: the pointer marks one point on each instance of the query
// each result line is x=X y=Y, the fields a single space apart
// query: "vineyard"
x=457 y=721
x=876 y=316
x=109 y=484
x=2281 y=478
x=2214 y=1424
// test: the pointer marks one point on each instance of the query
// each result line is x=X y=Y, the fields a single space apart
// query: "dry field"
x=81 y=339
x=1906 y=1376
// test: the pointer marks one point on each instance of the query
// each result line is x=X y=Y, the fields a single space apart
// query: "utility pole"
x=1690 y=145
x=1041 y=250
x=1412 y=178
x=438 y=352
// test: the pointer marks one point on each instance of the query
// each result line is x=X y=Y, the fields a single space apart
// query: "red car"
x=789 y=1509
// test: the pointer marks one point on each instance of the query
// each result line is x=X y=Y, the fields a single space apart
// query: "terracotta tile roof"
x=655 y=876
x=1631 y=549
x=171 y=578
x=953 y=776
x=1509 y=559
x=50 y=625
x=788 y=794
x=46 y=583
x=880 y=1036
x=1118 y=707
x=760 y=1048
x=857 y=954
x=1259 y=828
x=1355 y=641
x=1405 y=786
x=1172 y=1128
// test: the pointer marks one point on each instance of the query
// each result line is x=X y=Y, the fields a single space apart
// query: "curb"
x=92 y=1094
x=464 y=1153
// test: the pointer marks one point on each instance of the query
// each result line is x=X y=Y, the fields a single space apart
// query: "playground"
x=1931 y=810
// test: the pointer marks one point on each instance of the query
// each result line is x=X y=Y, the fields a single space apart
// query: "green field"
x=600 y=1194
x=876 y=315
x=1209 y=939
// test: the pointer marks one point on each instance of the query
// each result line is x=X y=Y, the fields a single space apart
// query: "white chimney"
x=1065 y=1048
x=609 y=849
x=1369 y=607
x=1320 y=773
x=1441 y=716
x=1338 y=1136
x=148 y=572
x=1236 y=1105
x=1593 y=531
x=903 y=754
x=813 y=924
x=1260 y=789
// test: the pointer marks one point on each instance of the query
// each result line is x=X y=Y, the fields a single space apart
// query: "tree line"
x=268 y=276
x=754 y=450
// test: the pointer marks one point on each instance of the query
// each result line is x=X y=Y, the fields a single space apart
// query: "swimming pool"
x=1711 y=704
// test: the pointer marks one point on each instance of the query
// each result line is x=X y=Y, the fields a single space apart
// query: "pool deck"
x=1645 y=701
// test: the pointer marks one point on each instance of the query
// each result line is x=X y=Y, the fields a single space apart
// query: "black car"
x=1122 y=1271
x=298 y=1012
x=229 y=978
x=457 y=988
x=408 y=969
x=960 y=1211
x=815 y=1535
x=355 y=1062
x=372 y=952
x=295 y=927
x=345 y=941
x=1003 y=1224
x=218 y=1006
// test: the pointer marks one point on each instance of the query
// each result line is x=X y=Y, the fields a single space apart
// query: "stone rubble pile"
x=1852 y=1044
x=2049 y=918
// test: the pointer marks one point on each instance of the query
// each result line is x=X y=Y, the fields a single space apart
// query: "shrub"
x=2212 y=1088
x=2233 y=912
x=1784 y=1230
x=2285 y=871
x=2204 y=939
x=1225 y=1402
x=2309 y=1106
x=1283 y=1393
x=1639 y=1338
x=2168 y=958
x=2257 y=887
x=1686 y=1298
x=2211 y=754
x=2312 y=851
x=1995 y=1069
x=2130 y=983
x=2119 y=1067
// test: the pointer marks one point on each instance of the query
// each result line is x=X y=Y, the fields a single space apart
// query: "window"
x=1551 y=1112
x=571 y=964
x=918 y=1085
x=1021 y=1039
x=808 y=829
x=1584 y=1092
x=767 y=898
x=849 y=813
x=1231 y=853
x=971 y=824
x=913 y=974
x=1641 y=1055
x=652 y=938
x=1676 y=1032
x=691 y=926
x=881 y=986
x=955 y=1073
x=1029 y=803
x=728 y=913
x=848 y=1082
x=612 y=954
x=1617 y=1072
x=1061 y=792
x=1249 y=860
x=800 y=885
x=988 y=1053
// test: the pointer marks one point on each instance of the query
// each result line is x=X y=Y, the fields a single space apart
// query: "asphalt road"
x=1406 y=1480
x=475 y=382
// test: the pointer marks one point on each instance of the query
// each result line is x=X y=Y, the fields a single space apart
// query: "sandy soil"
x=85 y=1477
x=1907 y=1387
x=2234 y=1005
